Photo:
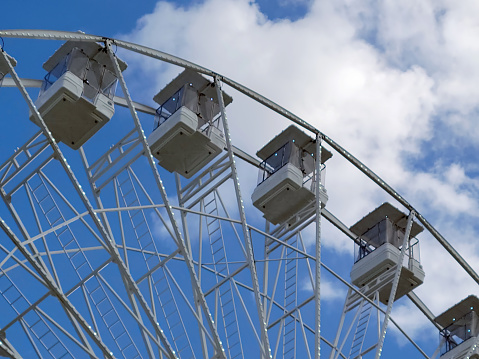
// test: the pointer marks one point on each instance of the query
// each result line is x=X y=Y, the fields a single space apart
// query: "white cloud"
x=380 y=78
x=329 y=290
x=440 y=36
x=411 y=320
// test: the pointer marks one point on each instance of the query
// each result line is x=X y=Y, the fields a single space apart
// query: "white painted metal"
x=131 y=243
x=265 y=346
x=317 y=284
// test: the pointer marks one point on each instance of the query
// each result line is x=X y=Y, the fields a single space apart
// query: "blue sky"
x=110 y=17
x=394 y=83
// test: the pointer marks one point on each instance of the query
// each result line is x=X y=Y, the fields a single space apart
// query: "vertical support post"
x=378 y=313
x=392 y=295
x=265 y=347
x=317 y=301
x=266 y=266
x=220 y=352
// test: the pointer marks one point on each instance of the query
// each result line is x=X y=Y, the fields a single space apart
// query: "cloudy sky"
x=394 y=82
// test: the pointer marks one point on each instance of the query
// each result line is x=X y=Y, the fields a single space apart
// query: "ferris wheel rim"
x=143 y=50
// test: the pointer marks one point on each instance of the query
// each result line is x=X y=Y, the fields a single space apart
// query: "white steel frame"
x=207 y=315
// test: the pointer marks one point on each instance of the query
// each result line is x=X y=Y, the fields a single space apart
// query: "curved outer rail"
x=65 y=36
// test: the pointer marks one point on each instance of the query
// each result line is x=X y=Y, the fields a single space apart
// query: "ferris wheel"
x=126 y=233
